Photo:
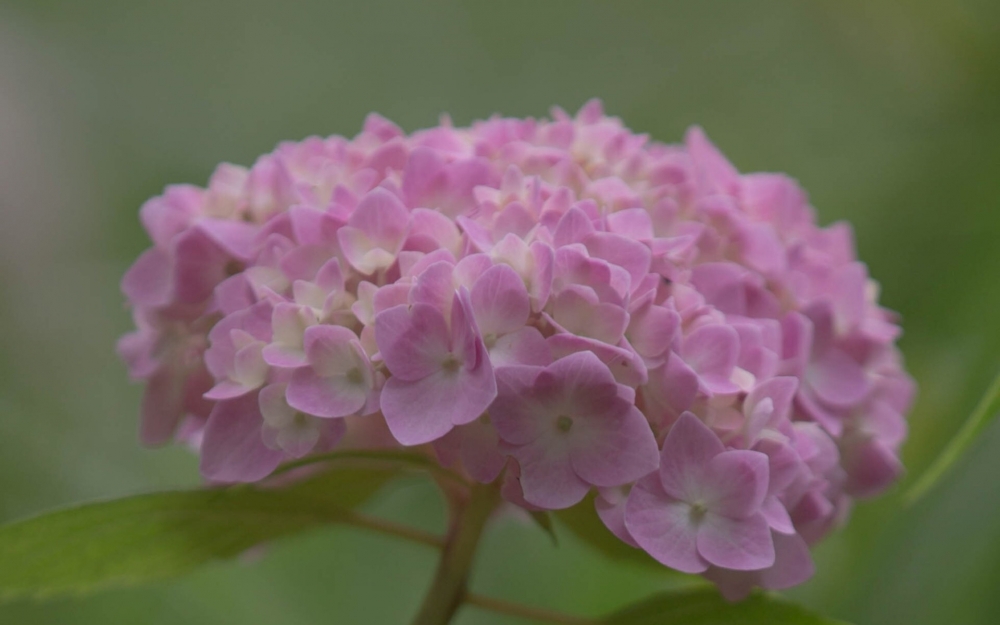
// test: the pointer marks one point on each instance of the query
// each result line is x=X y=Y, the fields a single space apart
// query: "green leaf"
x=149 y=537
x=704 y=606
x=583 y=522
x=543 y=519
x=985 y=411
x=401 y=458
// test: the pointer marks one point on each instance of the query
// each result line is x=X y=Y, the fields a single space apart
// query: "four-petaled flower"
x=571 y=426
x=441 y=375
x=703 y=505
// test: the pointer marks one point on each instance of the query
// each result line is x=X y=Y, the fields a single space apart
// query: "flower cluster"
x=559 y=304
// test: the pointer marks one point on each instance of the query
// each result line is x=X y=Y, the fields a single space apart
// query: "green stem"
x=983 y=414
x=448 y=589
x=389 y=528
x=529 y=613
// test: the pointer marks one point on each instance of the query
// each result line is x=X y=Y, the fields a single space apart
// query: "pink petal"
x=331 y=350
x=233 y=294
x=514 y=219
x=777 y=516
x=580 y=315
x=773 y=197
x=305 y=261
x=797 y=336
x=837 y=379
x=519 y=409
x=511 y=489
x=470 y=268
x=810 y=407
x=421 y=411
x=527 y=346
x=289 y=323
x=165 y=216
x=540 y=278
x=735 y=483
x=500 y=301
x=723 y=284
x=466 y=341
x=712 y=351
x=415 y=410
x=812 y=508
x=761 y=248
x=663 y=527
x=232 y=449
x=314 y=227
x=733 y=585
x=573 y=227
x=162 y=407
x=227 y=389
x=689 y=447
x=480 y=451
x=547 y=476
x=423 y=177
x=362 y=253
x=885 y=423
x=740 y=544
x=430 y=230
x=850 y=296
x=629 y=254
x=333 y=396
x=383 y=218
x=147 y=282
x=673 y=385
x=613 y=192
x=255 y=321
x=435 y=286
x=634 y=223
x=780 y=391
x=610 y=505
x=199 y=265
x=715 y=172
x=582 y=381
x=293 y=441
x=136 y=349
x=784 y=463
x=591 y=112
x=235 y=238
x=792 y=563
x=652 y=329
x=284 y=356
x=613 y=449
x=871 y=467
x=413 y=340
x=249 y=368
x=566 y=344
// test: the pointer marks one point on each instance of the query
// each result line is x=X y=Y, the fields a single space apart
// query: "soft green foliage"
x=985 y=412
x=704 y=606
x=148 y=537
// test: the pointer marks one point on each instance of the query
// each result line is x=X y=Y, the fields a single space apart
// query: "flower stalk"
x=448 y=589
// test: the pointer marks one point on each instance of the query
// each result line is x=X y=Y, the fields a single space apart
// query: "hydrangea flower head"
x=559 y=304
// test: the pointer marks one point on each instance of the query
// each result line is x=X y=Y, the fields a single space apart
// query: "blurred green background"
x=888 y=112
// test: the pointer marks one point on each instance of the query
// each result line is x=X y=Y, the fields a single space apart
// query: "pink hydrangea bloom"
x=560 y=304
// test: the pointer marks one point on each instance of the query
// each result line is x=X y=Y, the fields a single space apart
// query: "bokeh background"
x=887 y=111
